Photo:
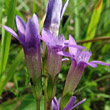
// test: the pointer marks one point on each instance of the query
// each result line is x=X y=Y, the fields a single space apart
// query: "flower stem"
x=45 y=94
x=49 y=105
x=38 y=104
x=46 y=75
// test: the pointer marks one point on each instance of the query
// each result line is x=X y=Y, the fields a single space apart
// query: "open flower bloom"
x=69 y=106
x=54 y=45
x=79 y=61
x=55 y=11
x=28 y=37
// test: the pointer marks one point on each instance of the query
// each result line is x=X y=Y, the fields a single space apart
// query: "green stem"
x=45 y=95
x=46 y=75
x=77 y=22
x=38 y=104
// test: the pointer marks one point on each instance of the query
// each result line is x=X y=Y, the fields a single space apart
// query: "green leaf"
x=6 y=77
x=1 y=7
x=26 y=102
x=23 y=4
x=6 y=39
x=64 y=100
x=103 y=95
x=77 y=20
x=93 y=23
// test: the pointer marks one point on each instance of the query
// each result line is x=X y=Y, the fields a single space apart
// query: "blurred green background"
x=88 y=21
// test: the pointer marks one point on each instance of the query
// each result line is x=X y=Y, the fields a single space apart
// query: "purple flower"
x=69 y=106
x=55 y=11
x=28 y=37
x=54 y=45
x=79 y=61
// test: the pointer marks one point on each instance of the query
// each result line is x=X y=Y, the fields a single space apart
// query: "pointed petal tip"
x=78 y=104
x=64 y=8
x=101 y=63
x=34 y=15
x=12 y=32
x=84 y=99
x=18 y=18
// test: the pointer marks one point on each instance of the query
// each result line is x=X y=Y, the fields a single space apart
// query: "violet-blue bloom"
x=54 y=45
x=55 y=11
x=79 y=61
x=69 y=106
x=28 y=37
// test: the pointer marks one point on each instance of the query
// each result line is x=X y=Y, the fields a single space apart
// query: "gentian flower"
x=55 y=11
x=28 y=37
x=69 y=106
x=79 y=61
x=54 y=45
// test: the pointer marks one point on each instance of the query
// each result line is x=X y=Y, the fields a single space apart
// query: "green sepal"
x=64 y=100
x=51 y=87
x=37 y=88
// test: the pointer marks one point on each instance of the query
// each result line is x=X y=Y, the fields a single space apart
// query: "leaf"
x=77 y=20
x=23 y=4
x=6 y=39
x=103 y=95
x=6 y=77
x=93 y=23
x=26 y=102
x=1 y=7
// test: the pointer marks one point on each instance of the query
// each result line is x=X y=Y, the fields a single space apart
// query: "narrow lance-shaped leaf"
x=11 y=70
x=77 y=20
x=1 y=7
x=93 y=23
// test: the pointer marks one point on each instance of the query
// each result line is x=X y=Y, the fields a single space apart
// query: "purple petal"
x=55 y=105
x=72 y=50
x=13 y=33
x=64 y=8
x=70 y=103
x=46 y=35
x=54 y=101
x=21 y=28
x=35 y=23
x=83 y=56
x=61 y=40
x=54 y=63
x=88 y=63
x=73 y=46
x=65 y=59
x=53 y=14
x=63 y=53
x=92 y=64
x=100 y=62
x=66 y=42
x=50 y=39
x=78 y=104
x=32 y=31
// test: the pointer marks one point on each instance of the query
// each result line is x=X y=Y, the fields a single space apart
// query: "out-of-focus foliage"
x=95 y=83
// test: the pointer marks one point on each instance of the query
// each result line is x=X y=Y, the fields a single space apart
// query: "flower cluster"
x=29 y=37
